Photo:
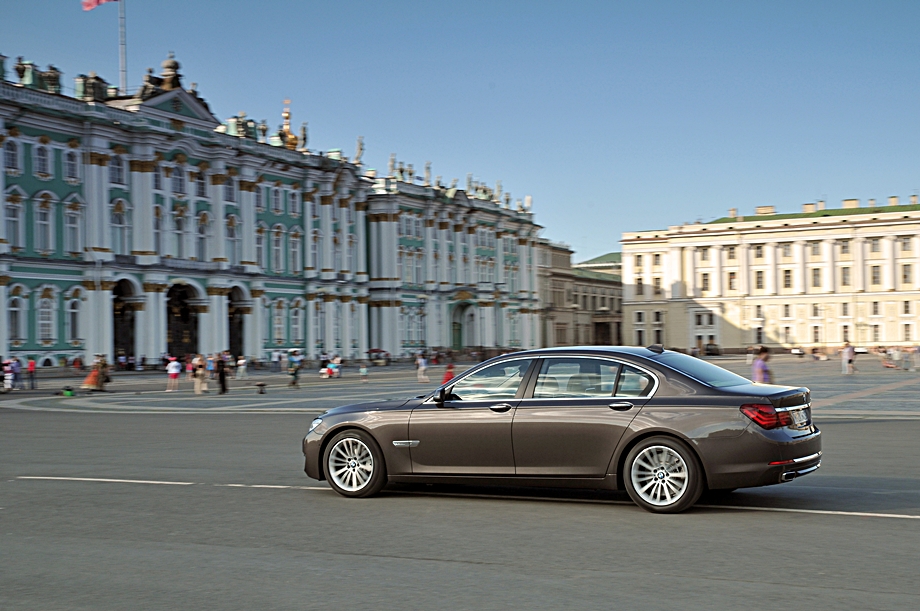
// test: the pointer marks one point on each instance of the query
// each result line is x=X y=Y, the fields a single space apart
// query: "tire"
x=662 y=475
x=353 y=464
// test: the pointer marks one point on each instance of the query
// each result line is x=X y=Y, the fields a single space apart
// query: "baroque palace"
x=142 y=225
x=813 y=279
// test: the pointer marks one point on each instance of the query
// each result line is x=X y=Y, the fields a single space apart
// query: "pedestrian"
x=276 y=361
x=210 y=366
x=222 y=376
x=448 y=374
x=17 y=374
x=173 y=369
x=200 y=376
x=363 y=372
x=848 y=358
x=189 y=367
x=294 y=364
x=241 y=368
x=30 y=368
x=762 y=373
x=7 y=376
x=422 y=365
x=749 y=359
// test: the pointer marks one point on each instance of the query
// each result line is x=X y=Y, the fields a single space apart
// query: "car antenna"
x=656 y=348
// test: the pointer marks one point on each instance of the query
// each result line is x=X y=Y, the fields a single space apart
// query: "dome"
x=170 y=63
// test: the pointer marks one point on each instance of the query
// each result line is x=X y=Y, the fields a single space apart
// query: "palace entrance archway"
x=123 y=316
x=235 y=310
x=181 y=321
x=463 y=327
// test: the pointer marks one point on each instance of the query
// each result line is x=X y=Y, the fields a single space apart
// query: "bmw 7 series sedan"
x=664 y=425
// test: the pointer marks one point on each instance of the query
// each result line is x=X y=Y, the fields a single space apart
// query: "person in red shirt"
x=448 y=373
x=33 y=383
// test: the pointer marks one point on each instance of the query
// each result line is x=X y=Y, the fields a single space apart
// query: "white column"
x=363 y=346
x=801 y=273
x=107 y=323
x=744 y=269
x=676 y=273
x=830 y=266
x=4 y=317
x=247 y=234
x=327 y=200
x=772 y=270
x=95 y=189
x=690 y=262
x=141 y=330
x=458 y=252
x=523 y=267
x=309 y=320
x=4 y=247
x=217 y=246
x=889 y=266
x=532 y=268
x=915 y=280
x=858 y=248
x=256 y=330
x=499 y=259
x=142 y=216
x=345 y=306
x=329 y=303
x=716 y=280
x=360 y=229
x=429 y=255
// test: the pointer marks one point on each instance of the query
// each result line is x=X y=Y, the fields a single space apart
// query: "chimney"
x=851 y=203
x=732 y=213
x=807 y=208
x=872 y=203
x=893 y=200
x=913 y=200
x=820 y=204
x=764 y=210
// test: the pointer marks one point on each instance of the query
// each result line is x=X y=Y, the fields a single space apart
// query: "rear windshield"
x=705 y=372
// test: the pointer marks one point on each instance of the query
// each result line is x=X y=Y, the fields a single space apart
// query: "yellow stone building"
x=817 y=278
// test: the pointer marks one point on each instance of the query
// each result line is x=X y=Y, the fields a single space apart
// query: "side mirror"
x=440 y=398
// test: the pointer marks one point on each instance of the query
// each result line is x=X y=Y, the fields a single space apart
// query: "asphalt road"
x=213 y=511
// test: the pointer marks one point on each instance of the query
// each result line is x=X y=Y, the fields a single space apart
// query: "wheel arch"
x=621 y=458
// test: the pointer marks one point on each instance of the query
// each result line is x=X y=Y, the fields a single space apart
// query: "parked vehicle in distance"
x=663 y=425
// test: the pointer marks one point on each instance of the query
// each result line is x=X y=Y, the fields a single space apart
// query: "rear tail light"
x=766 y=415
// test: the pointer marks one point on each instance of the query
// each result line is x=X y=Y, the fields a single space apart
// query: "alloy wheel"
x=659 y=476
x=351 y=464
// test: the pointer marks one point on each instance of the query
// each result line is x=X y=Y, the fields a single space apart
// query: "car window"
x=498 y=381
x=634 y=383
x=575 y=378
x=705 y=372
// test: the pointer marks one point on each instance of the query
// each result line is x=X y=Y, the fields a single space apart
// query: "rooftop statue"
x=427 y=173
x=303 y=136
x=359 y=150
x=391 y=167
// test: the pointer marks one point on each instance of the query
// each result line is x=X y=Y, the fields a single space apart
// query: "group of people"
x=200 y=368
x=98 y=375
x=12 y=375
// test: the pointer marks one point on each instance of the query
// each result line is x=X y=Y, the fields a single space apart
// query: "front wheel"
x=354 y=464
x=662 y=475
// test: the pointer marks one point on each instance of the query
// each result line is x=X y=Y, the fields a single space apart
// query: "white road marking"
x=827 y=512
x=106 y=480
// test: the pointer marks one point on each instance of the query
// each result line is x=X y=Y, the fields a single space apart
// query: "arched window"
x=117 y=170
x=229 y=190
x=119 y=230
x=41 y=160
x=157 y=178
x=278 y=323
x=71 y=167
x=45 y=320
x=17 y=320
x=400 y=264
x=313 y=211
x=10 y=156
x=14 y=225
x=419 y=275
x=297 y=323
x=72 y=242
x=73 y=320
x=295 y=203
x=179 y=232
x=233 y=240
x=178 y=180
x=278 y=250
x=294 y=242
x=201 y=244
x=201 y=184
x=158 y=230
x=260 y=205
x=43 y=228
x=277 y=206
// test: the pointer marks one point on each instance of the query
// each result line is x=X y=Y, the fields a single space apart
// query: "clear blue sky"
x=615 y=116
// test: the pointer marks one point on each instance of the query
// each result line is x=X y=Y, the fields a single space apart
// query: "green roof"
x=610 y=257
x=819 y=214
x=588 y=274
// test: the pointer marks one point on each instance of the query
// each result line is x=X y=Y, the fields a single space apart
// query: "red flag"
x=89 y=5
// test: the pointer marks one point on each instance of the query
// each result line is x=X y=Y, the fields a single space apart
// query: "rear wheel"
x=354 y=464
x=662 y=475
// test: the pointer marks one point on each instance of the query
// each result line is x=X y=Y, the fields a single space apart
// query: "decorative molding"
x=256 y=293
x=44 y=139
x=107 y=285
x=177 y=125
x=218 y=179
x=96 y=159
x=345 y=298
x=73 y=143
x=119 y=150
x=5 y=280
x=154 y=287
x=136 y=165
x=328 y=297
x=144 y=253
x=14 y=132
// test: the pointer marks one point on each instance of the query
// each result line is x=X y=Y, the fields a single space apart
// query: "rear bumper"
x=759 y=458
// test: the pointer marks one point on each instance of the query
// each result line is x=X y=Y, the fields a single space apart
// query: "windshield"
x=705 y=372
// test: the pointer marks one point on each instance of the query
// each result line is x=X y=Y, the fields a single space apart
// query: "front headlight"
x=316 y=422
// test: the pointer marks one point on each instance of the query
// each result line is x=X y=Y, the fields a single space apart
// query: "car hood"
x=368 y=406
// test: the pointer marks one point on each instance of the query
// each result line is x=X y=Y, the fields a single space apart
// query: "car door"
x=470 y=433
x=575 y=414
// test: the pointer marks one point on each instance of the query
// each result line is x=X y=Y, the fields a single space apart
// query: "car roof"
x=609 y=350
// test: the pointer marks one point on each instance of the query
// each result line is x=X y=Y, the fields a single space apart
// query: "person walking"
x=200 y=376
x=448 y=374
x=422 y=363
x=173 y=369
x=363 y=372
x=760 y=371
x=222 y=376
x=241 y=368
x=294 y=364
x=16 y=367
x=848 y=359
x=210 y=366
x=30 y=368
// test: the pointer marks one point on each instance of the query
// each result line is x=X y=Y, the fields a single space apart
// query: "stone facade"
x=817 y=278
x=142 y=225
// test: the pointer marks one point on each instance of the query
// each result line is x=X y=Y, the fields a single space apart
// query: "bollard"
x=261 y=386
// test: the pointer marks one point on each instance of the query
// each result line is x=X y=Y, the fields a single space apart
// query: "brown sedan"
x=663 y=425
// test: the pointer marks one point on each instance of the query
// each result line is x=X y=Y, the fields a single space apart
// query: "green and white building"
x=143 y=225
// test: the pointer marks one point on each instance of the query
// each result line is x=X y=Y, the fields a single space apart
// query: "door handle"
x=621 y=406
x=501 y=407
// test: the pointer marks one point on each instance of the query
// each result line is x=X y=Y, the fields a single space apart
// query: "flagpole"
x=123 y=47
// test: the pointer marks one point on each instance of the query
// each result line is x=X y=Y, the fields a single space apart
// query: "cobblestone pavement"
x=873 y=392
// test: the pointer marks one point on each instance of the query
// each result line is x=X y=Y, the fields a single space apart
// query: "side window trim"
x=530 y=379
x=651 y=375
x=474 y=370
x=532 y=383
